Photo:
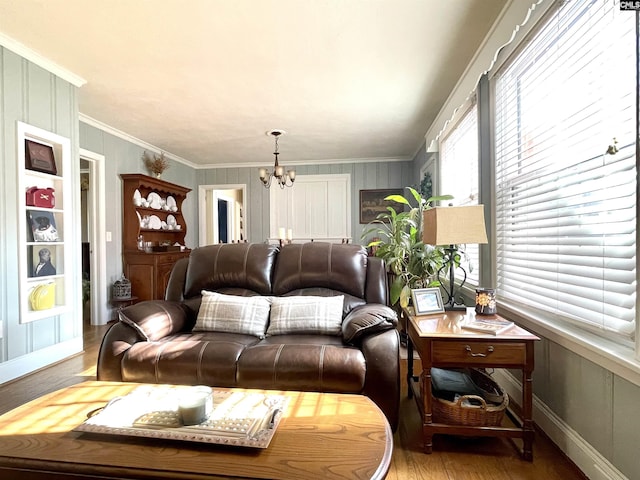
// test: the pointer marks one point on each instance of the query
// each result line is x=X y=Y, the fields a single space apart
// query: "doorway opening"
x=223 y=216
x=224 y=229
x=93 y=226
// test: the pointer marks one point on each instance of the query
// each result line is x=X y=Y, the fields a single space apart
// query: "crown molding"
x=298 y=163
x=131 y=139
x=147 y=146
x=34 y=57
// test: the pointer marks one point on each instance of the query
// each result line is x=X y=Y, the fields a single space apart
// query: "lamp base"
x=453 y=306
x=450 y=263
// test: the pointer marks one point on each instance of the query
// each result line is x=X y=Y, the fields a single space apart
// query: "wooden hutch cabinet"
x=151 y=212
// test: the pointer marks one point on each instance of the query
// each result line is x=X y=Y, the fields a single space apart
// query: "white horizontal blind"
x=459 y=177
x=565 y=214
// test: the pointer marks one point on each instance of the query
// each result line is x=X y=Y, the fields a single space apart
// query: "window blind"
x=565 y=208
x=459 y=172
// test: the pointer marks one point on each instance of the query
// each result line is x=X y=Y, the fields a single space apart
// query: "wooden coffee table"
x=320 y=435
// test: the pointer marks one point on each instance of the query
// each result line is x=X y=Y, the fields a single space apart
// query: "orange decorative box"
x=41 y=197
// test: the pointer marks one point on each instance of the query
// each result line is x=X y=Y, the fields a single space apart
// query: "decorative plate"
x=154 y=200
x=171 y=202
x=155 y=223
x=171 y=220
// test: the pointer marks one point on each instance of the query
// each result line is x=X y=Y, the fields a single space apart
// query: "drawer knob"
x=470 y=351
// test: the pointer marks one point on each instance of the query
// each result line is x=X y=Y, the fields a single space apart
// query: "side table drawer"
x=499 y=354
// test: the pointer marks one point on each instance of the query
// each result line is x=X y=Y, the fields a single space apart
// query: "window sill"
x=616 y=358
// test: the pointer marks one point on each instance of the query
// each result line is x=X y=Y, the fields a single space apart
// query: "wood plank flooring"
x=454 y=458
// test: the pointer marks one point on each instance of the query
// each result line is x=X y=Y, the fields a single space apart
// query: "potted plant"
x=397 y=238
x=86 y=295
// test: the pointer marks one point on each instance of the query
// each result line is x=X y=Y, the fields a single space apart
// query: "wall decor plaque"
x=39 y=157
x=373 y=203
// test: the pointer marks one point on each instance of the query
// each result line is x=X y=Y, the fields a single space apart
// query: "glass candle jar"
x=486 y=301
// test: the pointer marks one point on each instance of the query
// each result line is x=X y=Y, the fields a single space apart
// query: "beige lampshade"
x=454 y=225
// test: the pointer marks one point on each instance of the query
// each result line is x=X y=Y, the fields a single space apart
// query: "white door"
x=317 y=207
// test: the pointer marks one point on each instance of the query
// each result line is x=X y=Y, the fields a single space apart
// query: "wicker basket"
x=485 y=415
x=122 y=289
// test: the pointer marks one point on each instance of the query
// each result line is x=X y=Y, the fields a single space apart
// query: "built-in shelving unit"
x=44 y=223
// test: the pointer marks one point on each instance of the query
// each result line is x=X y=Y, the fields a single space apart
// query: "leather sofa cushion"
x=154 y=320
x=367 y=319
x=302 y=362
x=239 y=265
x=319 y=264
x=191 y=359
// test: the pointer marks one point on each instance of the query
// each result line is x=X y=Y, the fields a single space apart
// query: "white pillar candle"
x=290 y=234
x=281 y=233
x=195 y=405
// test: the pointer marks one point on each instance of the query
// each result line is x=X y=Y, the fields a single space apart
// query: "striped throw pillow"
x=233 y=314
x=306 y=314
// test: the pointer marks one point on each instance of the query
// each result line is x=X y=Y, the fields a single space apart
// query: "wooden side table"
x=120 y=303
x=441 y=342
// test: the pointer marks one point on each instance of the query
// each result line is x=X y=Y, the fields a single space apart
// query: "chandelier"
x=283 y=179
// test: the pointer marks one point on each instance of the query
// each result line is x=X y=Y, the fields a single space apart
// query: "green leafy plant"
x=86 y=290
x=397 y=238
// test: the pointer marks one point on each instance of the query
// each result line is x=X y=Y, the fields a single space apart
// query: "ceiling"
x=203 y=80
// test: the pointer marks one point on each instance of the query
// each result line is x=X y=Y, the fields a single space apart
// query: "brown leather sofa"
x=154 y=341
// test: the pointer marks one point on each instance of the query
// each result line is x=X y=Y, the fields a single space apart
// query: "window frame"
x=473 y=279
x=621 y=358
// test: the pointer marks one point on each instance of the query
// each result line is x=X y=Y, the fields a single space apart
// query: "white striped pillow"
x=306 y=314
x=233 y=314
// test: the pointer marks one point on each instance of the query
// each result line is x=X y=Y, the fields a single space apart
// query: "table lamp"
x=452 y=226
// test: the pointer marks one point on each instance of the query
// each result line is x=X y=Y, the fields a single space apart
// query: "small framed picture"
x=42 y=226
x=42 y=261
x=39 y=157
x=373 y=203
x=426 y=301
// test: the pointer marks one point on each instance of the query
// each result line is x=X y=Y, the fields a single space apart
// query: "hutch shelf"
x=153 y=232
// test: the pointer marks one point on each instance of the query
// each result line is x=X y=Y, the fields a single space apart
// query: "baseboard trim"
x=577 y=449
x=31 y=362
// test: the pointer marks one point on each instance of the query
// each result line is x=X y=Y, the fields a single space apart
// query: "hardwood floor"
x=76 y=369
x=454 y=458
x=464 y=458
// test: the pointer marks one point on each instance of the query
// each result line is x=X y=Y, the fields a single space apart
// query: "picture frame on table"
x=427 y=301
x=39 y=157
x=373 y=203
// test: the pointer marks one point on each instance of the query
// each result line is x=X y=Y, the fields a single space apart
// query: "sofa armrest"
x=155 y=319
x=142 y=322
x=115 y=343
x=367 y=319
x=382 y=383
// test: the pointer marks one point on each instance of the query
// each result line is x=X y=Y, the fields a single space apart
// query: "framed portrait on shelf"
x=39 y=157
x=42 y=261
x=41 y=226
x=372 y=203
x=427 y=301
